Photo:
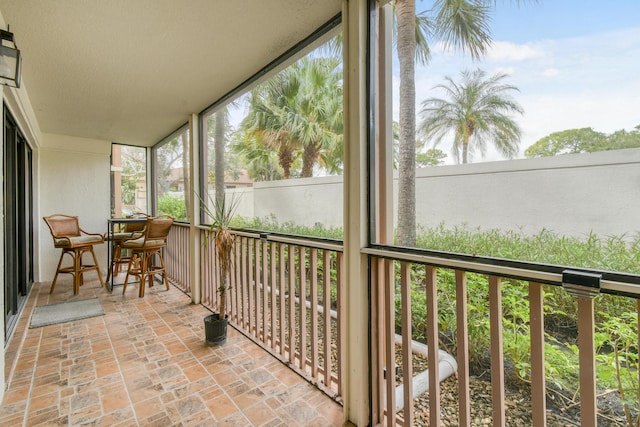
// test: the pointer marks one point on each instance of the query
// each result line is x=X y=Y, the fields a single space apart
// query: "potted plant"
x=220 y=214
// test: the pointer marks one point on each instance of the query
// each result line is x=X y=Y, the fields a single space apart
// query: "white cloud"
x=505 y=70
x=550 y=72
x=507 y=51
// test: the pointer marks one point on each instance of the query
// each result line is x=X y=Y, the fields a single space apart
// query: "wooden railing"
x=285 y=295
x=177 y=258
x=396 y=275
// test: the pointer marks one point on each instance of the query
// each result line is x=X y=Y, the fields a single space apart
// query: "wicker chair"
x=143 y=251
x=74 y=241
x=129 y=231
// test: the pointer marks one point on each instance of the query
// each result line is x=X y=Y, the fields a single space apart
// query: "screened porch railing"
x=282 y=299
x=177 y=258
x=395 y=275
x=285 y=295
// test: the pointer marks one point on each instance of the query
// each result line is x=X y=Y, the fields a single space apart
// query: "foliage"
x=261 y=160
x=431 y=157
x=271 y=224
x=425 y=157
x=134 y=168
x=476 y=110
x=174 y=206
x=221 y=214
x=170 y=155
x=614 y=253
x=617 y=352
x=584 y=140
x=298 y=115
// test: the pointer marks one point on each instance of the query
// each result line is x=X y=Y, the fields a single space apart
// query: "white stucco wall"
x=572 y=195
x=303 y=201
x=74 y=180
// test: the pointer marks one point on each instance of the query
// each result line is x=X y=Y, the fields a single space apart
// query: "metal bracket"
x=581 y=284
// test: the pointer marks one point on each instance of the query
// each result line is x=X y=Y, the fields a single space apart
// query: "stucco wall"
x=74 y=180
x=571 y=195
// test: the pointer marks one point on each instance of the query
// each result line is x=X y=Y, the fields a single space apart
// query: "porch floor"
x=145 y=363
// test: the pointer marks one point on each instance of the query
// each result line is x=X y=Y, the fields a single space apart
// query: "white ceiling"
x=131 y=71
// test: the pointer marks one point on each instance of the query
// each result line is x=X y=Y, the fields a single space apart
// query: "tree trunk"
x=286 y=159
x=221 y=117
x=406 y=44
x=308 y=160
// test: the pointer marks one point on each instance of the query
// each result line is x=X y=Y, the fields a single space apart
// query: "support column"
x=194 y=209
x=355 y=312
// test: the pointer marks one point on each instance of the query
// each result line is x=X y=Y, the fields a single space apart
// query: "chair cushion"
x=119 y=236
x=140 y=243
x=73 y=241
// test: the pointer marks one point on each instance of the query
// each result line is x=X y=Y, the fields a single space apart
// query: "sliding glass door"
x=18 y=223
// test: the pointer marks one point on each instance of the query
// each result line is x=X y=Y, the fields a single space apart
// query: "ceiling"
x=132 y=71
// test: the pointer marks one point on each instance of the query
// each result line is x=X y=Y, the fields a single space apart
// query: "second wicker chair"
x=146 y=258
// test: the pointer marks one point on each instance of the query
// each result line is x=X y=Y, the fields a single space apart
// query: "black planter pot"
x=215 y=329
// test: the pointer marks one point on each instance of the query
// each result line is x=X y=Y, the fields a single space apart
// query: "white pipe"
x=447 y=366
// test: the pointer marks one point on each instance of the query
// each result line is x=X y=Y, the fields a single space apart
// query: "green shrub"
x=174 y=206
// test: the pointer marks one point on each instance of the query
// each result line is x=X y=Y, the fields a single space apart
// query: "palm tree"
x=299 y=114
x=318 y=110
x=477 y=110
x=267 y=121
x=261 y=162
x=458 y=23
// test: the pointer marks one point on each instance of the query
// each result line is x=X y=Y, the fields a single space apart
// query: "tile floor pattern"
x=144 y=363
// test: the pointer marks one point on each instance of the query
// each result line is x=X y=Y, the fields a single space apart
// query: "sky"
x=576 y=64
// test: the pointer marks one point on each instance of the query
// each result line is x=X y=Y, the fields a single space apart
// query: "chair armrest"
x=134 y=236
x=92 y=234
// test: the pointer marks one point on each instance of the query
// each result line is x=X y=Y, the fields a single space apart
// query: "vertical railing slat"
x=497 y=353
x=587 y=358
x=245 y=286
x=302 y=306
x=232 y=295
x=237 y=287
x=377 y=345
x=272 y=287
x=292 y=302
x=282 y=280
x=464 y=409
x=255 y=287
x=389 y=340
x=432 y=340
x=265 y=289
x=538 y=387
x=341 y=314
x=313 y=294
x=326 y=302
x=407 y=361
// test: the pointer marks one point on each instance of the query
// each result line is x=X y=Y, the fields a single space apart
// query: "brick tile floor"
x=145 y=363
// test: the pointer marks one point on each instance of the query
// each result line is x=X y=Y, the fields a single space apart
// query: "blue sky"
x=544 y=19
x=575 y=62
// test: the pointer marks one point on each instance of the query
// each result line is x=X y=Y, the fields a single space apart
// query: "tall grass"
x=611 y=253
